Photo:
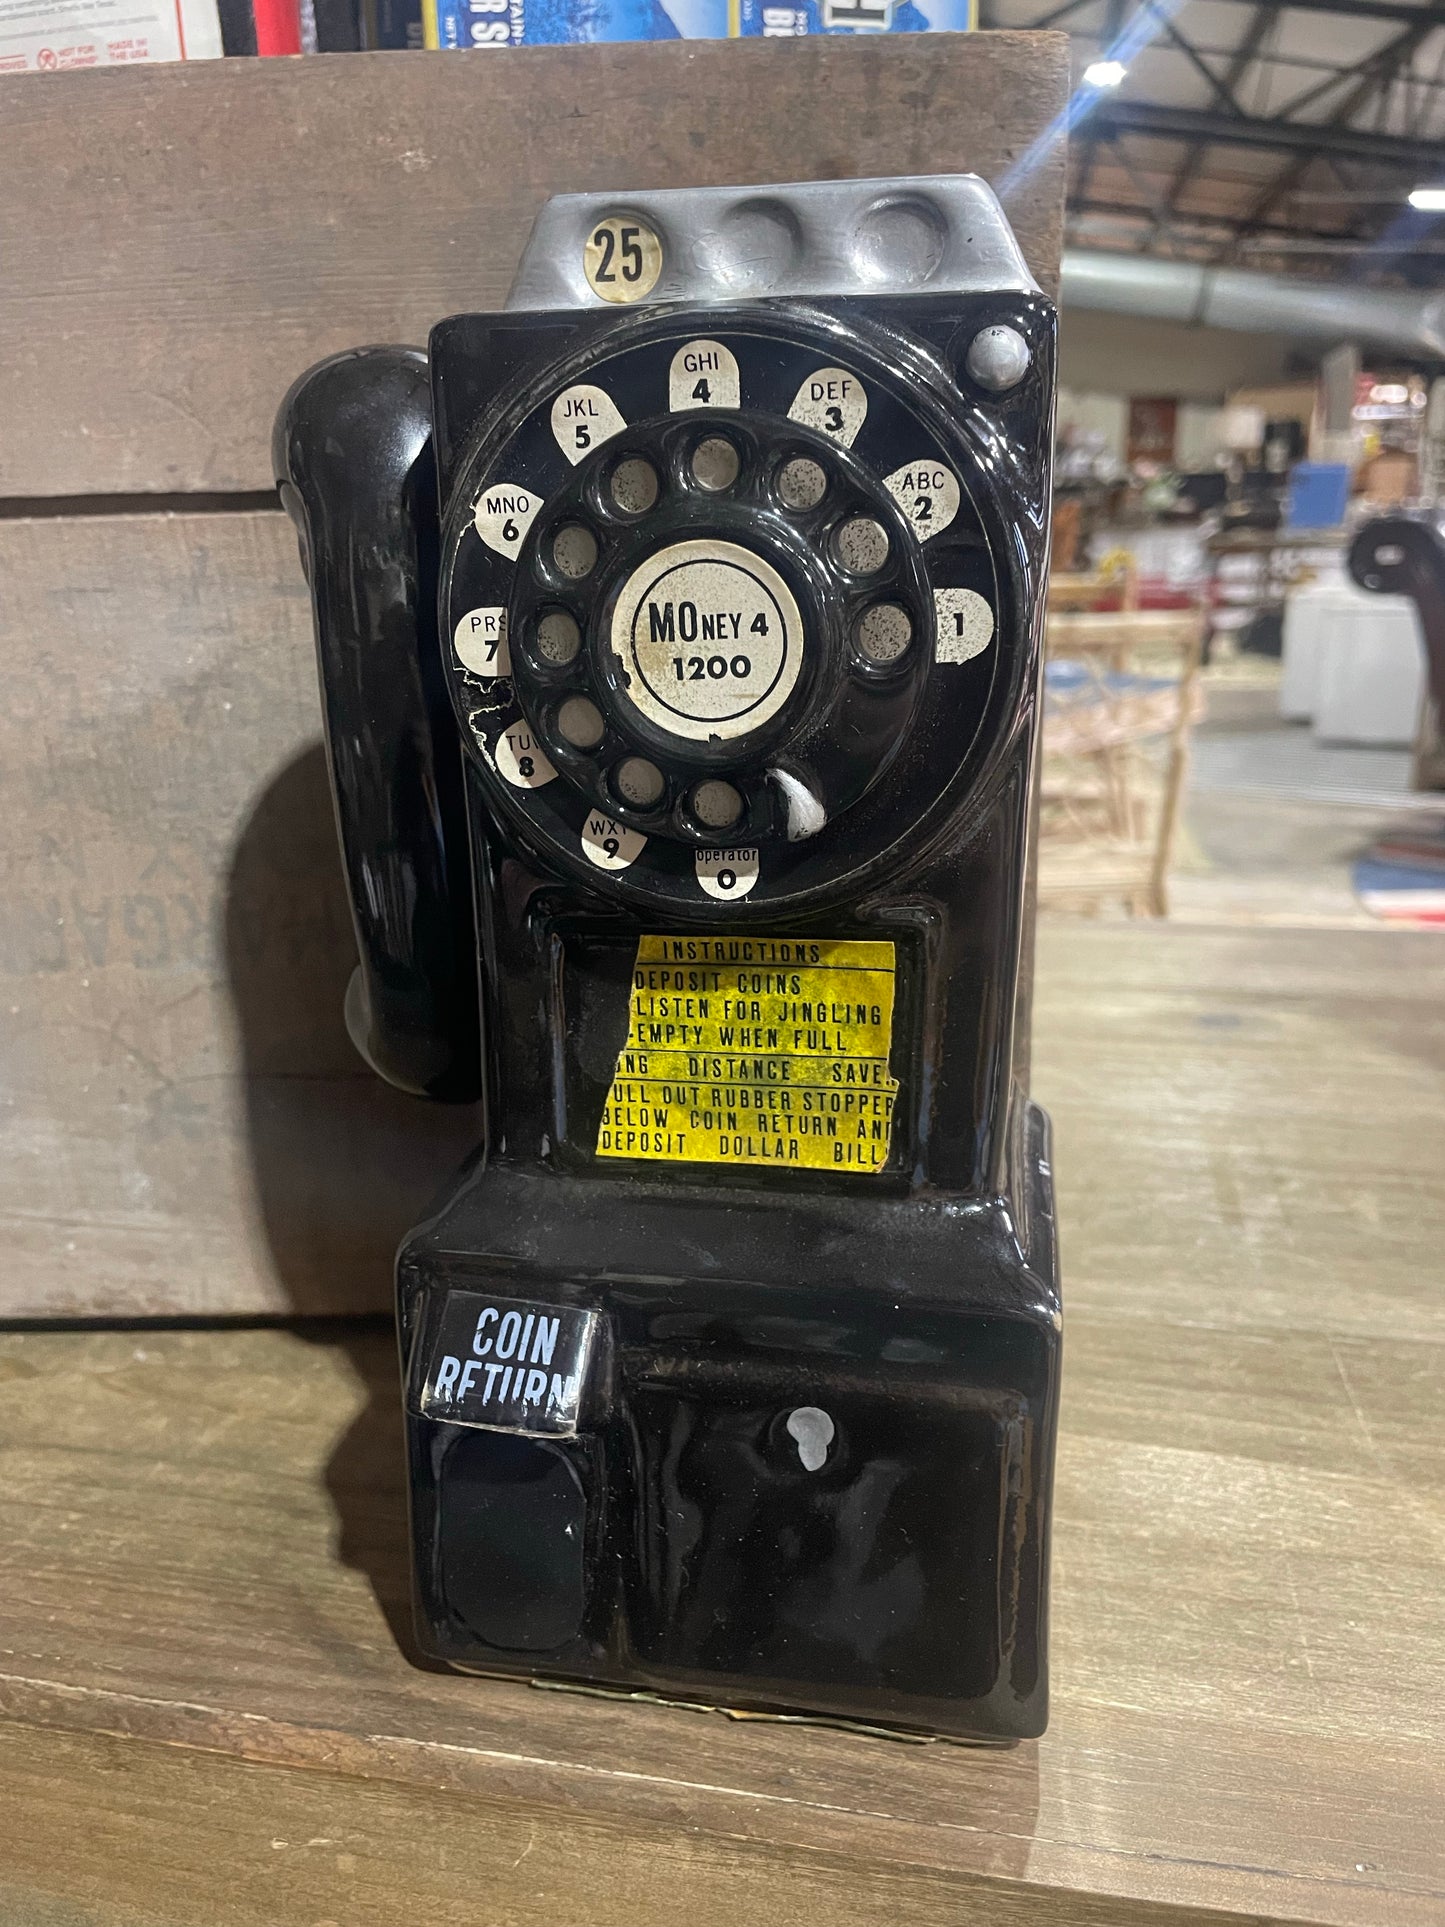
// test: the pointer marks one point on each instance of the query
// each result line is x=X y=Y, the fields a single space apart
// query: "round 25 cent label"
x=622 y=258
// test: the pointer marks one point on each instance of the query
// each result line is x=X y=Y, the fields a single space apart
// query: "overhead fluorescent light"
x=1108 y=73
x=1429 y=200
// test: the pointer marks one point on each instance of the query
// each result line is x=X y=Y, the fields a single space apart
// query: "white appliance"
x=1370 y=670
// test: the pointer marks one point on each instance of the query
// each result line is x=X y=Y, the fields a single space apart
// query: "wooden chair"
x=1114 y=581
x=1121 y=695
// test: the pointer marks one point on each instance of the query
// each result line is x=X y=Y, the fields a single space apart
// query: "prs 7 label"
x=756 y=1050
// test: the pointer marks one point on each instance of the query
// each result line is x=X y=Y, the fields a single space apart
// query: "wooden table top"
x=206 y=1714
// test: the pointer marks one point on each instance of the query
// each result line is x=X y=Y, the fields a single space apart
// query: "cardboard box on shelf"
x=62 y=34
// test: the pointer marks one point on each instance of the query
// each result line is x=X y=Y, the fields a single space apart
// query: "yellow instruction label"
x=756 y=1050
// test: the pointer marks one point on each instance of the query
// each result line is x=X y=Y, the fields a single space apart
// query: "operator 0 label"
x=928 y=495
x=756 y=1050
x=965 y=624
x=480 y=640
x=832 y=401
x=709 y=640
x=704 y=374
x=503 y=514
x=583 y=417
x=726 y=874
x=506 y=1365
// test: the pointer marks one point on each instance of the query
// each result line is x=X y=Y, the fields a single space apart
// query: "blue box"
x=533 y=23
x=777 y=20
x=1319 y=494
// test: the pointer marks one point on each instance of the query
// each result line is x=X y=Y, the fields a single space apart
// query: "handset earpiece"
x=354 y=463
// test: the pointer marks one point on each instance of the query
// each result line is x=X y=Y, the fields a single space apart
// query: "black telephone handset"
x=354 y=461
x=679 y=632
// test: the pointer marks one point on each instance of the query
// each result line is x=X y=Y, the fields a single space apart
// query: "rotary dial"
x=722 y=614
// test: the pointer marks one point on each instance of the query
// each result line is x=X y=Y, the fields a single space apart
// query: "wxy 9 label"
x=756 y=1050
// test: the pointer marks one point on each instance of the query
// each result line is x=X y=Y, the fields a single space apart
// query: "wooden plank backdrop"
x=178 y=242
x=186 y=1128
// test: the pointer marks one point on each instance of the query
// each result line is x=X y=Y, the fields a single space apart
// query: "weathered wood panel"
x=185 y=1127
x=179 y=242
x=206 y=1713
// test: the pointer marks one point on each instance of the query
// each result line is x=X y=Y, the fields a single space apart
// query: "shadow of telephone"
x=679 y=642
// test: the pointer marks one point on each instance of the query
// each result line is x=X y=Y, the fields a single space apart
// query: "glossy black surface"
x=510 y=1535
x=683 y=1540
x=353 y=460
x=905 y=1582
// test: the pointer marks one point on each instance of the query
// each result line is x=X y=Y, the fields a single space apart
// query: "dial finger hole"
x=580 y=723
x=634 y=485
x=638 y=782
x=715 y=464
x=558 y=638
x=574 y=551
x=862 y=545
x=715 y=804
x=802 y=484
x=884 y=632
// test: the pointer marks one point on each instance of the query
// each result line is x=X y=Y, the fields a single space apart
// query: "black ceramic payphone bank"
x=679 y=631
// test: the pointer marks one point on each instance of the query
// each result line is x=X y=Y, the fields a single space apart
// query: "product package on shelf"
x=778 y=20
x=57 y=34
x=514 y=23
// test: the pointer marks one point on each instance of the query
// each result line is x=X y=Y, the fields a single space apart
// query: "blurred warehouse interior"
x=1252 y=366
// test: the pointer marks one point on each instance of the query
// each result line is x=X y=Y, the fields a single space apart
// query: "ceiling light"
x=1108 y=73
x=1429 y=200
